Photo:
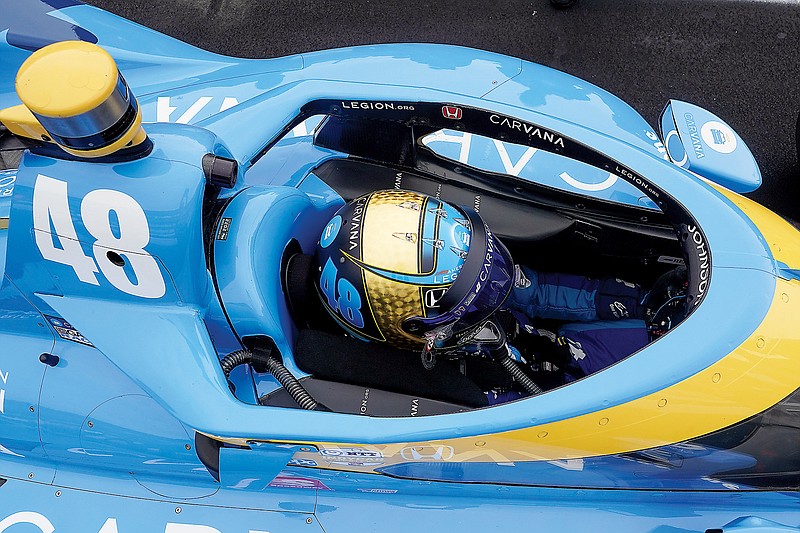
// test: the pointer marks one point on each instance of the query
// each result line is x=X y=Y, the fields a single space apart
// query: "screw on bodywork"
x=178 y=510
x=90 y=424
x=188 y=446
x=308 y=520
x=58 y=494
x=31 y=409
x=31 y=475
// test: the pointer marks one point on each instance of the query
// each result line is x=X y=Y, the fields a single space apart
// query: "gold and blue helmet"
x=396 y=266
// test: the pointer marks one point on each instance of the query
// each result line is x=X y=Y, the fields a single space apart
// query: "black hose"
x=520 y=376
x=234 y=359
x=291 y=384
x=280 y=372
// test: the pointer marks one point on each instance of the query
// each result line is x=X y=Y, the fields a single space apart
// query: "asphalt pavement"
x=736 y=58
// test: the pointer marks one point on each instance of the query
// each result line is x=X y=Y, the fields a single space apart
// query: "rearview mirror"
x=699 y=141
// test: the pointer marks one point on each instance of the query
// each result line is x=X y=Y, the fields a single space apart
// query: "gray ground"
x=737 y=58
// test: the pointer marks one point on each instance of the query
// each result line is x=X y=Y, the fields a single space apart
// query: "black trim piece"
x=123 y=155
x=2 y=481
x=207 y=450
x=104 y=138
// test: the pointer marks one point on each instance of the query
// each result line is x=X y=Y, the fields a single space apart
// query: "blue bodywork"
x=104 y=439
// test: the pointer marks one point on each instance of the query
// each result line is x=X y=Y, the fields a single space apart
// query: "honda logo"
x=451 y=112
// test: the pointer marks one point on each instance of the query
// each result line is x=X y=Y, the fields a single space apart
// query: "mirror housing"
x=701 y=142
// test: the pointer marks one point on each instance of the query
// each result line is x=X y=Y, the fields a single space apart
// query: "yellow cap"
x=66 y=79
x=74 y=96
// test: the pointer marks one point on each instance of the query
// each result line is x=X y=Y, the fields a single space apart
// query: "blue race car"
x=186 y=349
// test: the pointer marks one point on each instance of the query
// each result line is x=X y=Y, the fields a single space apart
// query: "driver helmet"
x=406 y=268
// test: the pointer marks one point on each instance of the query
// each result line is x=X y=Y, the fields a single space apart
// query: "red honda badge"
x=451 y=112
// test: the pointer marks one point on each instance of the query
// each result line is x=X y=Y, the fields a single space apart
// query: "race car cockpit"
x=339 y=349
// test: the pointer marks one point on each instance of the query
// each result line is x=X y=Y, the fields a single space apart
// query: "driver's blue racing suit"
x=605 y=317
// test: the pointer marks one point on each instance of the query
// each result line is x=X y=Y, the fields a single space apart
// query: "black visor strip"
x=104 y=138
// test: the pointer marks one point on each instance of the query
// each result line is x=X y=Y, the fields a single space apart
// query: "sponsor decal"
x=436 y=243
x=462 y=254
x=638 y=181
x=224 y=228
x=703 y=267
x=451 y=112
x=355 y=222
x=718 y=137
x=380 y=106
x=364 y=403
x=427 y=453
x=618 y=309
x=575 y=349
x=287 y=481
x=7 y=185
x=66 y=331
x=529 y=129
x=694 y=135
x=521 y=281
x=583 y=186
x=44 y=525
x=52 y=212
x=356 y=453
x=413 y=206
x=483 y=275
x=434 y=296
x=331 y=231
x=164 y=108
x=302 y=462
x=668 y=260
x=408 y=237
x=379 y=491
x=6 y=451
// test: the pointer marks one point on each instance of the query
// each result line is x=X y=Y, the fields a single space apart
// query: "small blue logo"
x=718 y=136
x=331 y=231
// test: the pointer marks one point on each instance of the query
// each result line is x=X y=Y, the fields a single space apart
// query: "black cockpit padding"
x=369 y=364
x=297 y=277
x=508 y=218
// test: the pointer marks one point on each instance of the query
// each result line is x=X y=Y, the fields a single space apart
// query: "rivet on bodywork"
x=309 y=520
x=662 y=402
x=716 y=377
x=603 y=421
x=761 y=342
x=178 y=510
x=58 y=494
